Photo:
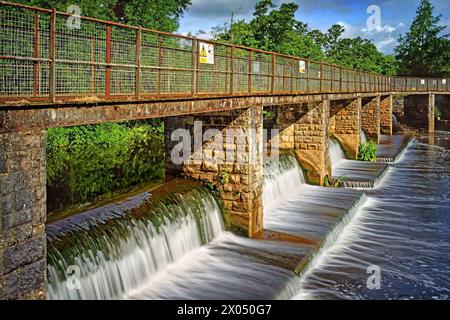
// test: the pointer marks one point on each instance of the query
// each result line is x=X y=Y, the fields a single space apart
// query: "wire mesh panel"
x=411 y=84
x=78 y=50
x=214 y=78
x=326 y=78
x=336 y=79
x=313 y=77
x=432 y=84
x=240 y=71
x=23 y=33
x=351 y=81
x=261 y=72
x=283 y=79
x=149 y=63
x=300 y=81
x=176 y=65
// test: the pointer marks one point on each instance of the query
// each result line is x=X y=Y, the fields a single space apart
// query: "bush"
x=368 y=151
x=437 y=112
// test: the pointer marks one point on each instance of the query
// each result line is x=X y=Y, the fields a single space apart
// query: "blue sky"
x=396 y=16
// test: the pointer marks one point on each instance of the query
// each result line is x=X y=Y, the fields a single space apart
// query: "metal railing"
x=42 y=59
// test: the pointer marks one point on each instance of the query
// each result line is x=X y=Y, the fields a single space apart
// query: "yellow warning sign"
x=206 y=53
x=301 y=66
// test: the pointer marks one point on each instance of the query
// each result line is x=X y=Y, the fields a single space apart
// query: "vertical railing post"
x=340 y=79
x=36 y=54
x=159 y=63
x=292 y=74
x=108 y=62
x=272 y=85
x=226 y=69
x=307 y=75
x=194 y=68
x=52 y=56
x=332 y=78
x=94 y=67
x=232 y=71
x=321 y=77
x=137 y=79
x=249 y=71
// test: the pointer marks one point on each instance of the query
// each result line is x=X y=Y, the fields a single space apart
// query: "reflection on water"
x=405 y=230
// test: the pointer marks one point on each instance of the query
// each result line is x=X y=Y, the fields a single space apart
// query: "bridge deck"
x=44 y=60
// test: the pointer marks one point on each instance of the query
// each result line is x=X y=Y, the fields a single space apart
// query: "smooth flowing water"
x=362 y=137
x=404 y=230
x=336 y=152
x=180 y=250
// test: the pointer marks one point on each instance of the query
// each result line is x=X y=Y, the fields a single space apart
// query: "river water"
x=403 y=229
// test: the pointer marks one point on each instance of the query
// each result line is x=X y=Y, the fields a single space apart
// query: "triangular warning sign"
x=203 y=51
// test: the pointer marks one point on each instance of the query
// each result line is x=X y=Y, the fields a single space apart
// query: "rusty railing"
x=43 y=59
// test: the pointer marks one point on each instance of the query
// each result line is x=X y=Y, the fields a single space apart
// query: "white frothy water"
x=281 y=178
x=110 y=264
x=362 y=137
x=336 y=152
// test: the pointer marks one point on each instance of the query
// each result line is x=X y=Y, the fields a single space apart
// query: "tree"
x=424 y=51
x=153 y=14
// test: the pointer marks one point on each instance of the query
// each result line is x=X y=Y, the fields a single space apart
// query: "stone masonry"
x=370 y=118
x=22 y=215
x=386 y=115
x=303 y=128
x=230 y=156
x=419 y=111
x=345 y=124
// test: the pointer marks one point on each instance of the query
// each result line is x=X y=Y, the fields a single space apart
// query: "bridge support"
x=303 y=128
x=386 y=115
x=419 y=111
x=22 y=215
x=370 y=118
x=225 y=148
x=345 y=124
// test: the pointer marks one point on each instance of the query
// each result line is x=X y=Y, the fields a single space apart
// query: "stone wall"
x=230 y=156
x=419 y=111
x=22 y=215
x=386 y=114
x=345 y=124
x=370 y=118
x=398 y=107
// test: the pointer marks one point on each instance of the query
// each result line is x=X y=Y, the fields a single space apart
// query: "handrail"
x=42 y=59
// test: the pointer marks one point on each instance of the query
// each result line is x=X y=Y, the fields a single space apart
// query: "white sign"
x=206 y=53
x=301 y=66
x=444 y=81
x=255 y=67
x=422 y=81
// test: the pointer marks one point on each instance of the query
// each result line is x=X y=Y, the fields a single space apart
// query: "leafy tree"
x=424 y=51
x=153 y=14
x=276 y=29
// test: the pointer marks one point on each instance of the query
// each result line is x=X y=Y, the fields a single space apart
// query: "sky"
x=395 y=16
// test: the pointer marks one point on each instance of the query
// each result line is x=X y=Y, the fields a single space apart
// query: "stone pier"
x=345 y=124
x=22 y=215
x=225 y=149
x=303 y=128
x=386 y=115
x=419 y=111
x=370 y=118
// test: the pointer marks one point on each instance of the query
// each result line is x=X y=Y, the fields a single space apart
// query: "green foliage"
x=153 y=14
x=424 y=51
x=97 y=160
x=368 y=151
x=277 y=29
x=337 y=182
x=224 y=176
x=437 y=112
x=269 y=114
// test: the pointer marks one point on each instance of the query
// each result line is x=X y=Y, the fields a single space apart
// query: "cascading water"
x=362 y=137
x=404 y=230
x=280 y=178
x=113 y=256
x=336 y=152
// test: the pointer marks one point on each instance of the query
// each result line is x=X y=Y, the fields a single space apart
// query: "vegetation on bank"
x=368 y=151
x=89 y=161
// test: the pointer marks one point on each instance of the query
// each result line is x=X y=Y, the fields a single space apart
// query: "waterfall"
x=362 y=137
x=108 y=259
x=280 y=178
x=336 y=152
x=394 y=119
